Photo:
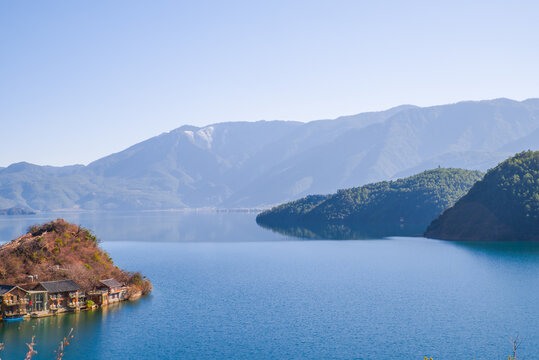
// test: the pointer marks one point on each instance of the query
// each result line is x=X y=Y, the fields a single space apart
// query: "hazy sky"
x=82 y=79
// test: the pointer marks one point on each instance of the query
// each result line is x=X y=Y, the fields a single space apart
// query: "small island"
x=58 y=267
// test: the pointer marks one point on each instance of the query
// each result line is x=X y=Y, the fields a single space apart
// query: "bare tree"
x=63 y=344
x=31 y=352
x=516 y=341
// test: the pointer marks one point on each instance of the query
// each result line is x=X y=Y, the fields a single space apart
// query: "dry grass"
x=59 y=250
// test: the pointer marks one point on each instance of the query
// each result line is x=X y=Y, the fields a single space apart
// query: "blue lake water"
x=225 y=288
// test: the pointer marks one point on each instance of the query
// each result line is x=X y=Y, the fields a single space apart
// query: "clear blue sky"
x=82 y=79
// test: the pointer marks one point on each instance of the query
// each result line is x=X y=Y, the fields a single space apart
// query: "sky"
x=80 y=80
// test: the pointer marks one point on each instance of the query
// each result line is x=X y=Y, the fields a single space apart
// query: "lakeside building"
x=14 y=302
x=49 y=298
x=115 y=291
x=38 y=301
x=110 y=291
x=62 y=295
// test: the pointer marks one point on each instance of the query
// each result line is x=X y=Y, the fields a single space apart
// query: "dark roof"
x=60 y=286
x=4 y=289
x=31 y=287
x=111 y=283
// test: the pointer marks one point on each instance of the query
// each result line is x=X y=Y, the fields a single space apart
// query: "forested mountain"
x=504 y=206
x=259 y=164
x=414 y=200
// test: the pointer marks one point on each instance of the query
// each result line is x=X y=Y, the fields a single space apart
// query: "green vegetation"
x=415 y=200
x=504 y=206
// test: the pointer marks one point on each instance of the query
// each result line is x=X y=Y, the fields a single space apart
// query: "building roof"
x=4 y=289
x=111 y=283
x=33 y=287
x=60 y=286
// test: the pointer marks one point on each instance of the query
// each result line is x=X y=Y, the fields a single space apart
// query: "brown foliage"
x=54 y=251
x=139 y=283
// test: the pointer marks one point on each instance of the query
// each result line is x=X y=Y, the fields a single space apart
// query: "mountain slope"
x=254 y=164
x=409 y=141
x=504 y=206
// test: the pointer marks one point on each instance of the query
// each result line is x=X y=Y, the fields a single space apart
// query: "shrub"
x=59 y=226
x=136 y=279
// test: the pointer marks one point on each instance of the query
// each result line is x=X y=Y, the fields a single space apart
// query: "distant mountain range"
x=258 y=164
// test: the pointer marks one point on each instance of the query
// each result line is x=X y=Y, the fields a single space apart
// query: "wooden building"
x=108 y=292
x=115 y=291
x=38 y=299
x=48 y=298
x=99 y=297
x=14 y=302
x=62 y=295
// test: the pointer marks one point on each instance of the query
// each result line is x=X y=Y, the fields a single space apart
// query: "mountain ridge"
x=258 y=164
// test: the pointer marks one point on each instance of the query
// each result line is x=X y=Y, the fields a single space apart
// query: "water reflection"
x=150 y=226
x=216 y=298
x=346 y=231
x=518 y=250
x=49 y=331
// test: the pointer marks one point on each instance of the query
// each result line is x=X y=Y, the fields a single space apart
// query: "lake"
x=225 y=288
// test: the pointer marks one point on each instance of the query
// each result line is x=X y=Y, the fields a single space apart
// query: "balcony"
x=76 y=304
x=11 y=302
x=15 y=313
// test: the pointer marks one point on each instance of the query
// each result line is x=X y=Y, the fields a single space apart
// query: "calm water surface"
x=227 y=289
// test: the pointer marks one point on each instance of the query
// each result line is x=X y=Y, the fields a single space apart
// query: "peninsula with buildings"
x=58 y=267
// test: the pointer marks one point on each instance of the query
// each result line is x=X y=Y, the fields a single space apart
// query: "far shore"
x=183 y=210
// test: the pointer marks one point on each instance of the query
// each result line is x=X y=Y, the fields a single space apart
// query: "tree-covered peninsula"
x=504 y=206
x=414 y=200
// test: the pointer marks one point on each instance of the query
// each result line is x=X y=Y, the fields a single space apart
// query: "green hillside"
x=504 y=206
x=414 y=200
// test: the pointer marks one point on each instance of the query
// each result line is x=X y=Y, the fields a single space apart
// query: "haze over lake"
x=226 y=288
